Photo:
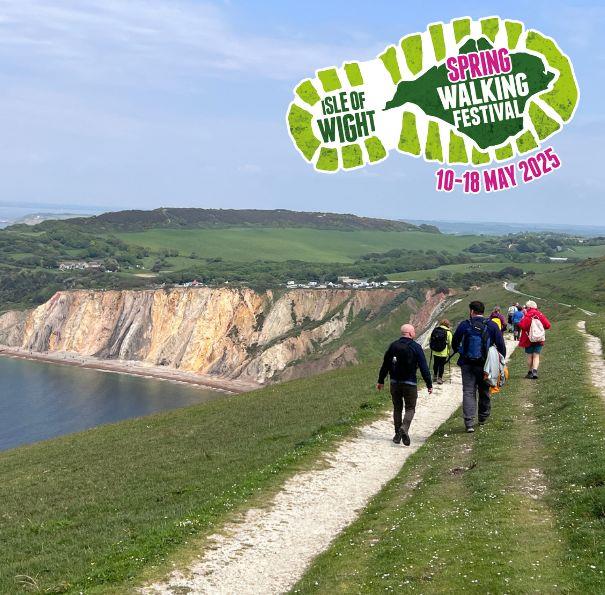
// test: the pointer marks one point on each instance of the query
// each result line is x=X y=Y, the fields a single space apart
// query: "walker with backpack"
x=438 y=343
x=511 y=313
x=476 y=348
x=403 y=360
x=536 y=332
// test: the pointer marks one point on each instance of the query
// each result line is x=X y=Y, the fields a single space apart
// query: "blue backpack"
x=518 y=316
x=476 y=341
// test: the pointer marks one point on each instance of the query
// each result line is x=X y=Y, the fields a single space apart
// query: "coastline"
x=131 y=368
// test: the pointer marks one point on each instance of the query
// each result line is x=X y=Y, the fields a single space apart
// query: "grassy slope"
x=538 y=267
x=96 y=507
x=583 y=284
x=517 y=507
x=490 y=295
x=312 y=245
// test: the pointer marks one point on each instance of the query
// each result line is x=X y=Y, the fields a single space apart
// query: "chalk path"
x=269 y=549
x=596 y=362
x=512 y=287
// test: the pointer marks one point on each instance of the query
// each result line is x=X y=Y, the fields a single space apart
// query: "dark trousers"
x=403 y=394
x=439 y=366
x=473 y=383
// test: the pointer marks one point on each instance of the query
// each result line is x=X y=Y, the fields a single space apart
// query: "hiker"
x=472 y=340
x=401 y=360
x=517 y=317
x=497 y=317
x=532 y=326
x=511 y=311
x=441 y=348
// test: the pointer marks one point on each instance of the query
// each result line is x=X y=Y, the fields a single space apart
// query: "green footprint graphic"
x=347 y=117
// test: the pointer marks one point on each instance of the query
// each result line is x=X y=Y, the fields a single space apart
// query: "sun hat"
x=531 y=304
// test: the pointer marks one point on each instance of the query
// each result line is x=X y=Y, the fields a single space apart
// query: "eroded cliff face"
x=229 y=333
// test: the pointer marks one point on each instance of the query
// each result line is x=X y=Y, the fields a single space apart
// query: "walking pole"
x=449 y=363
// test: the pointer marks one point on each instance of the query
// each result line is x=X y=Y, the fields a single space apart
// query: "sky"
x=145 y=103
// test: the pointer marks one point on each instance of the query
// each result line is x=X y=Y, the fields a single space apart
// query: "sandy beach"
x=133 y=368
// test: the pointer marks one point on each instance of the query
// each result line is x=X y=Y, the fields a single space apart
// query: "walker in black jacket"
x=401 y=362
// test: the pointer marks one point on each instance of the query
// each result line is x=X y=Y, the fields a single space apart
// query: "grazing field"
x=311 y=245
x=473 y=267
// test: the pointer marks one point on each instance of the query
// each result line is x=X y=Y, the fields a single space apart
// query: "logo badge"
x=467 y=92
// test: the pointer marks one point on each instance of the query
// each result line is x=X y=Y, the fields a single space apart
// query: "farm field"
x=538 y=267
x=584 y=252
x=311 y=245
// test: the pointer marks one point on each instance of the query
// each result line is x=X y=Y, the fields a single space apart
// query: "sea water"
x=42 y=400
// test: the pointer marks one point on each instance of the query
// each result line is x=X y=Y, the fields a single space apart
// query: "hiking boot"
x=397 y=438
x=482 y=422
x=439 y=380
x=530 y=374
x=405 y=437
x=534 y=374
x=470 y=430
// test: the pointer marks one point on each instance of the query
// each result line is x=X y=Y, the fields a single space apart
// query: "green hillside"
x=474 y=267
x=261 y=249
x=187 y=218
x=582 y=284
x=310 y=245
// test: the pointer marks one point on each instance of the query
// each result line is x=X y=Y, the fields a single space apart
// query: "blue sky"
x=146 y=103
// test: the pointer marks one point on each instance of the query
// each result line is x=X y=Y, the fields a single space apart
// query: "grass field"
x=518 y=507
x=538 y=267
x=311 y=245
x=585 y=252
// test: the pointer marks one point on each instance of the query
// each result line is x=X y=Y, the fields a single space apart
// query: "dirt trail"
x=268 y=550
x=596 y=362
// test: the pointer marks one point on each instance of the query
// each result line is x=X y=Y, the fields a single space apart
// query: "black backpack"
x=438 y=340
x=404 y=360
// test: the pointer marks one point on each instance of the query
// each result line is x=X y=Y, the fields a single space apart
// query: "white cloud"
x=138 y=39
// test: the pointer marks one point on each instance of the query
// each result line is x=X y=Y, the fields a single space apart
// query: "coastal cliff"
x=222 y=332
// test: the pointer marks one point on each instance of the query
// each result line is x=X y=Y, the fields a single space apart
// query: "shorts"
x=534 y=348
